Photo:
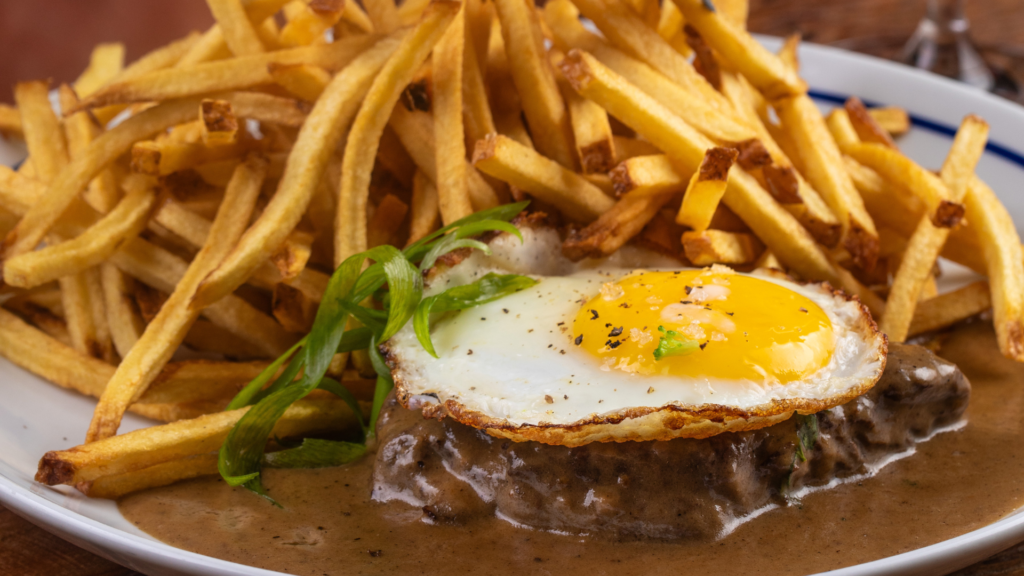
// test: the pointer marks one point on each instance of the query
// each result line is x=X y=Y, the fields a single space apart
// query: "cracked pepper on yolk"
x=743 y=327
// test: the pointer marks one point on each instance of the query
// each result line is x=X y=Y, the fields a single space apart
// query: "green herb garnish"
x=394 y=279
x=806 y=434
x=672 y=344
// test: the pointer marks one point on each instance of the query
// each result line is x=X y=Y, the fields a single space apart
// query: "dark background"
x=53 y=38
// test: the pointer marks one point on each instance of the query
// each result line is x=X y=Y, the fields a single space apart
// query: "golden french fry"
x=387 y=221
x=477 y=117
x=947 y=309
x=449 y=141
x=627 y=148
x=235 y=26
x=310 y=154
x=85 y=251
x=220 y=126
x=160 y=158
x=535 y=81
x=231 y=74
x=714 y=246
x=425 y=207
x=507 y=160
x=383 y=15
x=768 y=260
x=361 y=146
x=705 y=190
x=151 y=446
x=777 y=228
x=892 y=119
x=10 y=120
x=105 y=63
x=789 y=53
x=926 y=243
x=308 y=25
x=122 y=318
x=864 y=124
x=895 y=167
x=506 y=106
x=616 y=226
x=80 y=130
x=1001 y=247
x=165 y=333
x=764 y=69
x=305 y=81
x=43 y=135
x=592 y=133
x=653 y=174
x=842 y=129
x=163 y=474
x=704 y=59
x=78 y=304
x=822 y=164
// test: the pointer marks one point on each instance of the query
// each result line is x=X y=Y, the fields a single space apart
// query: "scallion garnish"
x=672 y=344
x=395 y=280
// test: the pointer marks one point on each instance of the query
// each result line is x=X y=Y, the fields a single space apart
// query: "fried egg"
x=633 y=348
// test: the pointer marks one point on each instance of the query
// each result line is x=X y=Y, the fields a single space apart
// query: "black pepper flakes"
x=579 y=339
x=703 y=344
x=469 y=352
x=594 y=315
x=615 y=331
x=505 y=310
x=615 y=344
x=688 y=289
x=375 y=553
x=804 y=310
x=549 y=399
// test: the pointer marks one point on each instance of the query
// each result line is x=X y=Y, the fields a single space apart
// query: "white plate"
x=36 y=417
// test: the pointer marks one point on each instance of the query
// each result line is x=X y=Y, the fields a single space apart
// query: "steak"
x=676 y=489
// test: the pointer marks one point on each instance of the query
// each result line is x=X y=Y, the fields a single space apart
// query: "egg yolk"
x=710 y=323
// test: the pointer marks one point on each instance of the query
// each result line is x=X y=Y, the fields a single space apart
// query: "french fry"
x=534 y=79
x=104 y=342
x=383 y=15
x=893 y=120
x=895 y=167
x=652 y=174
x=947 y=309
x=477 y=117
x=703 y=57
x=222 y=75
x=507 y=160
x=80 y=130
x=926 y=243
x=842 y=129
x=309 y=24
x=714 y=246
x=705 y=190
x=306 y=163
x=46 y=321
x=449 y=141
x=305 y=81
x=220 y=126
x=151 y=446
x=236 y=28
x=78 y=305
x=10 y=120
x=425 y=209
x=160 y=158
x=85 y=251
x=506 y=106
x=764 y=69
x=778 y=229
x=43 y=135
x=864 y=124
x=361 y=146
x=163 y=335
x=789 y=53
x=627 y=148
x=822 y=164
x=118 y=485
x=626 y=30
x=122 y=317
x=1005 y=264
x=616 y=226
x=105 y=63
x=592 y=133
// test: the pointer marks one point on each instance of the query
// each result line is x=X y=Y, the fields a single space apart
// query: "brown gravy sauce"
x=957 y=482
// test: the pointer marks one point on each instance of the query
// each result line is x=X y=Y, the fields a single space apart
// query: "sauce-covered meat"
x=692 y=489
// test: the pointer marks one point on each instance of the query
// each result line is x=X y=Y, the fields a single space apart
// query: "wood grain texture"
x=878 y=27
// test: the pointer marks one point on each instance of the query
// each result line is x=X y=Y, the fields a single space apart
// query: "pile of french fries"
x=175 y=224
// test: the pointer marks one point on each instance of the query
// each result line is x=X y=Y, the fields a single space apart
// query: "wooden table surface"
x=875 y=26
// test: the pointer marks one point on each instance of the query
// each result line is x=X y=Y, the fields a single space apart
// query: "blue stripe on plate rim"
x=925 y=123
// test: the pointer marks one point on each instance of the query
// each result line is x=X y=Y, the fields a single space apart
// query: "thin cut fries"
x=235 y=26
x=319 y=135
x=303 y=80
x=105 y=63
x=220 y=126
x=616 y=226
x=167 y=330
x=947 y=309
x=864 y=124
x=893 y=120
x=652 y=174
x=361 y=147
x=927 y=241
x=592 y=133
x=43 y=135
x=425 y=207
x=449 y=133
x=10 y=120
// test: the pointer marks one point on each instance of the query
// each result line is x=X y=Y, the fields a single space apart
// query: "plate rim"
x=142 y=552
